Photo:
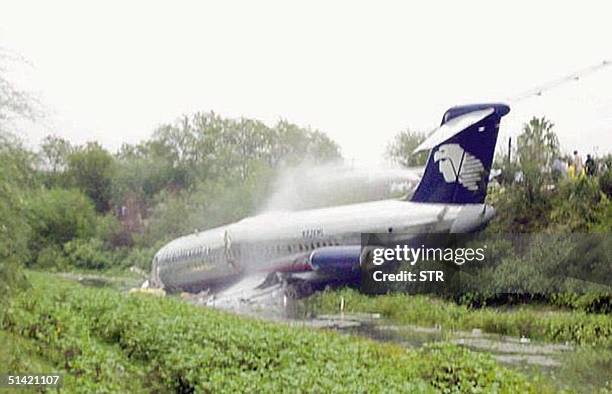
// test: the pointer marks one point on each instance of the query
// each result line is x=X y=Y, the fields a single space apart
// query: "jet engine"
x=337 y=260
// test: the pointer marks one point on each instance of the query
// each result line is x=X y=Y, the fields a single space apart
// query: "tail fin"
x=457 y=170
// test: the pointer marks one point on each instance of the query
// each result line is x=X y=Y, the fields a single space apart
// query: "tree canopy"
x=400 y=149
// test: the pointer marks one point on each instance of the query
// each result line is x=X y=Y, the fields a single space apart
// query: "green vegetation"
x=400 y=149
x=108 y=341
x=82 y=207
x=590 y=368
x=534 y=322
x=544 y=200
x=14 y=234
x=68 y=207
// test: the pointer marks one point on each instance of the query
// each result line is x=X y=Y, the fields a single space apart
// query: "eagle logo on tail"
x=458 y=165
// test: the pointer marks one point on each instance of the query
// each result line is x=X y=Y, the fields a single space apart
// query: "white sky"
x=359 y=71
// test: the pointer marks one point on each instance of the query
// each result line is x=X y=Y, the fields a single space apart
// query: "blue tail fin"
x=457 y=170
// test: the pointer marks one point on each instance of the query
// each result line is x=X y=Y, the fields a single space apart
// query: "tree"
x=525 y=206
x=16 y=177
x=400 y=149
x=54 y=153
x=538 y=146
x=91 y=169
x=205 y=146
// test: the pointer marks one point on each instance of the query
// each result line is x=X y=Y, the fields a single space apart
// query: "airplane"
x=325 y=243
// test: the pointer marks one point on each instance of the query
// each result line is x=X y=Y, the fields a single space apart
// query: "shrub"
x=141 y=257
x=578 y=205
x=52 y=257
x=110 y=231
x=605 y=182
x=57 y=216
x=87 y=254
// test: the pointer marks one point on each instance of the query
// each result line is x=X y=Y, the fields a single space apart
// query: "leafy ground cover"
x=107 y=341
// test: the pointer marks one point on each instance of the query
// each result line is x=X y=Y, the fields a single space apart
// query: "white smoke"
x=313 y=186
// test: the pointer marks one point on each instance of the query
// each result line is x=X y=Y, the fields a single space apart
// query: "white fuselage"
x=282 y=241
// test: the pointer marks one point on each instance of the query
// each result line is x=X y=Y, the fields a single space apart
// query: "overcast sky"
x=359 y=71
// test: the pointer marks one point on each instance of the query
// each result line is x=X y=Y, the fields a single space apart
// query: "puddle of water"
x=528 y=356
x=247 y=298
x=272 y=304
x=92 y=280
x=508 y=350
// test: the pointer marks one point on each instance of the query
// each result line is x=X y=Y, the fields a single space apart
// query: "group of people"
x=576 y=168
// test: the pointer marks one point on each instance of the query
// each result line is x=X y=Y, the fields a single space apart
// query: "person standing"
x=590 y=166
x=578 y=164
